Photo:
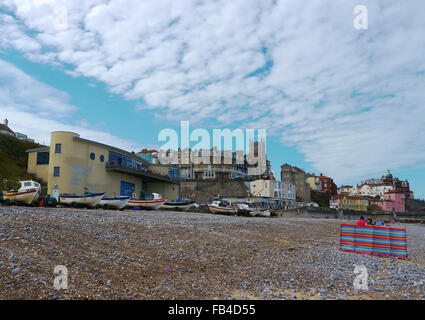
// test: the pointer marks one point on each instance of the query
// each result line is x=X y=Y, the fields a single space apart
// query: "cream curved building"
x=73 y=165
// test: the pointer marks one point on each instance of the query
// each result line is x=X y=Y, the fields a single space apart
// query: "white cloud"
x=352 y=101
x=35 y=109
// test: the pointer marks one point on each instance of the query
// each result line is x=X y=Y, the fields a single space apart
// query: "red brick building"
x=328 y=185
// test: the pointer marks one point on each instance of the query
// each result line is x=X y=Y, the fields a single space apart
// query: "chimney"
x=6 y=122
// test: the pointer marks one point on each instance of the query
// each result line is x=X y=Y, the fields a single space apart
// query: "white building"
x=274 y=189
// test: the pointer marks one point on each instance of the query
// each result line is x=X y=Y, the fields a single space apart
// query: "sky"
x=334 y=99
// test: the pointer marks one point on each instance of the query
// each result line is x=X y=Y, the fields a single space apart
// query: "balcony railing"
x=140 y=170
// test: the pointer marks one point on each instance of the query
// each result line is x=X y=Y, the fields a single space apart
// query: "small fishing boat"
x=87 y=199
x=178 y=205
x=119 y=202
x=244 y=209
x=262 y=213
x=27 y=193
x=151 y=201
x=220 y=206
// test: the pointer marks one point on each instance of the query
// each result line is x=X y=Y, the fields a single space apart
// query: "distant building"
x=22 y=136
x=343 y=201
x=297 y=177
x=389 y=180
x=394 y=201
x=263 y=188
x=322 y=183
x=4 y=128
x=150 y=156
x=314 y=182
x=278 y=190
x=372 y=190
x=346 y=189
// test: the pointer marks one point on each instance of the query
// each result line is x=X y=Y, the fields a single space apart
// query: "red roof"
x=341 y=196
x=148 y=151
x=5 y=128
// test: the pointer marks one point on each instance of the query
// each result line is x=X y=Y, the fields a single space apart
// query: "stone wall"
x=203 y=191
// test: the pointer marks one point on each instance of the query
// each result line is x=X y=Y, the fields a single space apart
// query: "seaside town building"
x=389 y=180
x=375 y=188
x=322 y=183
x=297 y=177
x=73 y=165
x=215 y=164
x=394 y=201
x=343 y=201
x=347 y=189
x=4 y=129
x=281 y=191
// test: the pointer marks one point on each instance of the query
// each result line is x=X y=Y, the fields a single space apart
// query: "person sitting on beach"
x=361 y=222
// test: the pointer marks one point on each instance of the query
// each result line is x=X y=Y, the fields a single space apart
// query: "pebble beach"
x=135 y=254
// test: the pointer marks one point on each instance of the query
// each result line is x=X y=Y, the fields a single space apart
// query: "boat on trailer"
x=28 y=193
x=178 y=205
x=151 y=201
x=119 y=202
x=87 y=199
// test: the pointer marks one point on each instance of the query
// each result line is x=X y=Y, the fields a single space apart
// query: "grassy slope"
x=13 y=159
x=322 y=199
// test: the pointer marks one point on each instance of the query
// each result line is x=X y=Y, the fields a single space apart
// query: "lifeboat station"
x=73 y=165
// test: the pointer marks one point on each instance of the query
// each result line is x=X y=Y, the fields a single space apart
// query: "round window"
x=92 y=156
x=102 y=158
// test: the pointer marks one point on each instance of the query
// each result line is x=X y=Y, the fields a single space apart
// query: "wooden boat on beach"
x=28 y=193
x=178 y=205
x=222 y=207
x=151 y=201
x=119 y=202
x=87 y=199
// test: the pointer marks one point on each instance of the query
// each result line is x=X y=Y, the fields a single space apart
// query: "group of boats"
x=221 y=206
x=30 y=191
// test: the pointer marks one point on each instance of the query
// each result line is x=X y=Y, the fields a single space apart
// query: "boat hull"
x=27 y=197
x=153 y=204
x=178 y=205
x=116 y=203
x=225 y=210
x=86 y=200
x=265 y=213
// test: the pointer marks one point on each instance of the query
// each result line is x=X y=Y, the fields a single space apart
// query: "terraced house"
x=343 y=201
x=298 y=177
x=73 y=165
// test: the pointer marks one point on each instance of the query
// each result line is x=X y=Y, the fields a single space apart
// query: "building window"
x=58 y=148
x=56 y=171
x=102 y=158
x=92 y=156
x=43 y=157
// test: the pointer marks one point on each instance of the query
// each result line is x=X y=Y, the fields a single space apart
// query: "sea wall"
x=203 y=191
x=320 y=212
